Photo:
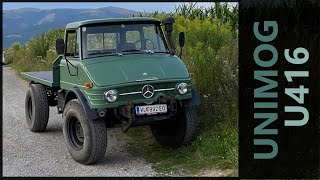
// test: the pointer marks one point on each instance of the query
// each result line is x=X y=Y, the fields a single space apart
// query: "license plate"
x=151 y=109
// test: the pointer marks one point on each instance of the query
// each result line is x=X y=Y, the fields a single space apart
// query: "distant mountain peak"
x=49 y=18
x=25 y=23
x=23 y=9
x=113 y=7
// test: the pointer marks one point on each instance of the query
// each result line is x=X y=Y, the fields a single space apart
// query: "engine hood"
x=112 y=70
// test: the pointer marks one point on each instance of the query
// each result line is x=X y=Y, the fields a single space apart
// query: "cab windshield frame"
x=158 y=30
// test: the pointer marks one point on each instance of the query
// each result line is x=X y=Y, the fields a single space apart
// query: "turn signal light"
x=88 y=85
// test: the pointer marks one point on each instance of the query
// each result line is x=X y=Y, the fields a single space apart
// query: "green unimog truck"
x=115 y=72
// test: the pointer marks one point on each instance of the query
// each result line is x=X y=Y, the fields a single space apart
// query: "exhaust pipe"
x=168 y=24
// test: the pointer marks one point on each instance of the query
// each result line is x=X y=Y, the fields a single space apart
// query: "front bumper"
x=166 y=91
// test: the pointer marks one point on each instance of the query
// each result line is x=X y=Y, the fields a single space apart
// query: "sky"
x=144 y=7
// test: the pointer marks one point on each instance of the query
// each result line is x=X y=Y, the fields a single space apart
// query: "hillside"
x=19 y=25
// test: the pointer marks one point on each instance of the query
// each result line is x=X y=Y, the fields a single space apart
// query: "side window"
x=132 y=37
x=71 y=44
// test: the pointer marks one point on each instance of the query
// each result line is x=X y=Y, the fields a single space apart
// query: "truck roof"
x=75 y=25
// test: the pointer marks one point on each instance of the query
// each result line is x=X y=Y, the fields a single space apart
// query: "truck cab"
x=111 y=72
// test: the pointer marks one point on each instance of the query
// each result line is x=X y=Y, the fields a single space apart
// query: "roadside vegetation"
x=211 y=55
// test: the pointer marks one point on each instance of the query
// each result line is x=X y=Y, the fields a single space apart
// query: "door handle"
x=61 y=65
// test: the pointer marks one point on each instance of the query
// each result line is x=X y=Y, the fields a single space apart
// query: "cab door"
x=69 y=64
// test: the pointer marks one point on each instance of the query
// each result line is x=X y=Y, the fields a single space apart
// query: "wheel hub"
x=30 y=108
x=75 y=133
x=79 y=131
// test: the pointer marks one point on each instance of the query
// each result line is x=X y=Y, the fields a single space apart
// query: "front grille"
x=137 y=89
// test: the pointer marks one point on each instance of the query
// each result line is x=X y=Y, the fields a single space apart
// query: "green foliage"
x=16 y=46
x=39 y=46
x=37 y=54
x=219 y=11
x=54 y=34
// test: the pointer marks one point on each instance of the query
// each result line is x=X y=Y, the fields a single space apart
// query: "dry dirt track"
x=45 y=154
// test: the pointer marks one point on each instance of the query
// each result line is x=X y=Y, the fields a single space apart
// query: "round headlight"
x=182 y=88
x=111 y=95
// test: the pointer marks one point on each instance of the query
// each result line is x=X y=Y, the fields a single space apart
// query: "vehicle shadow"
x=119 y=159
x=53 y=129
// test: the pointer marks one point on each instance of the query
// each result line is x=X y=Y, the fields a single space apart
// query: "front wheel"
x=86 y=139
x=178 y=131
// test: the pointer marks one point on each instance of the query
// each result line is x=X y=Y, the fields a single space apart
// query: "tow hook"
x=130 y=113
x=101 y=112
x=173 y=106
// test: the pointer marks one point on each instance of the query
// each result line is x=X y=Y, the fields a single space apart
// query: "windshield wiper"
x=99 y=53
x=131 y=50
x=139 y=50
x=160 y=52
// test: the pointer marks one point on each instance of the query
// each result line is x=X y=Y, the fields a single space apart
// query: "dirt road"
x=45 y=154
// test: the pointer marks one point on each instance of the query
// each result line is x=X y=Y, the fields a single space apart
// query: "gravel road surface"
x=45 y=154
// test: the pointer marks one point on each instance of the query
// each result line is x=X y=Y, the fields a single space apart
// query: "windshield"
x=122 y=39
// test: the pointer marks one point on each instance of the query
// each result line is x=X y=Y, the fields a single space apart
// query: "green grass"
x=215 y=148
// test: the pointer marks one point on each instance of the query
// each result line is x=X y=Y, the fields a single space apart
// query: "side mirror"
x=60 y=46
x=181 y=39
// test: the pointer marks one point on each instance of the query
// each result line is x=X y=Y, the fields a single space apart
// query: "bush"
x=16 y=46
x=211 y=54
x=37 y=55
x=39 y=46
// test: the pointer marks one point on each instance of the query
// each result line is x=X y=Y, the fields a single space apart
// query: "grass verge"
x=215 y=148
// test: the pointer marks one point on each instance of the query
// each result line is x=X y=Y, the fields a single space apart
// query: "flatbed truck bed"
x=43 y=77
x=47 y=78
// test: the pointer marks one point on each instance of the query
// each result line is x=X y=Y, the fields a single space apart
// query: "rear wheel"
x=178 y=131
x=86 y=139
x=37 y=108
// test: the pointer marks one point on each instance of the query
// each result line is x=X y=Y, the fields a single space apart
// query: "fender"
x=89 y=113
x=194 y=101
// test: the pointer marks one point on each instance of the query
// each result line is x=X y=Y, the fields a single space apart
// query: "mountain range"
x=19 y=25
